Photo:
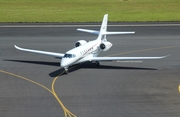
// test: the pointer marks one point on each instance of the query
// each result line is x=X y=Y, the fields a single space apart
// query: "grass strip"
x=89 y=10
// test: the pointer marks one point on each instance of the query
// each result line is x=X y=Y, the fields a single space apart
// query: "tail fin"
x=103 y=30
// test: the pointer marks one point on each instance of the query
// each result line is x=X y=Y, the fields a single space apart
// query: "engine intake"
x=79 y=43
x=105 y=46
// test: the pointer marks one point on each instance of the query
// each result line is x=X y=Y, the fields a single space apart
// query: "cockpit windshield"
x=69 y=56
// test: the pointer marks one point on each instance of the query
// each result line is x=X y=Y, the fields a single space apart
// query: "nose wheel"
x=66 y=70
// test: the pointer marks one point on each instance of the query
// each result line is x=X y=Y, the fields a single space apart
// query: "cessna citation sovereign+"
x=88 y=51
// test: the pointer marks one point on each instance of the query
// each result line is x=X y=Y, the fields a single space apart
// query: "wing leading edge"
x=58 y=55
x=124 y=58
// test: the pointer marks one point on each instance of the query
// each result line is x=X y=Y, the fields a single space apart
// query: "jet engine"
x=105 y=46
x=79 y=43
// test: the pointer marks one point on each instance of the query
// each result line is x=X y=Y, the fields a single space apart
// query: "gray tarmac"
x=147 y=88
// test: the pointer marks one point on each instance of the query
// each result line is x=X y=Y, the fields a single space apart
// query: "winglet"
x=19 y=48
x=16 y=46
x=167 y=55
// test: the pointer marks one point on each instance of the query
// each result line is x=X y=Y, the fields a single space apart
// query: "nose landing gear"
x=66 y=70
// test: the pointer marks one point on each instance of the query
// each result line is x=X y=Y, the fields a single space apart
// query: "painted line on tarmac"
x=143 y=50
x=66 y=111
x=151 y=49
x=72 y=25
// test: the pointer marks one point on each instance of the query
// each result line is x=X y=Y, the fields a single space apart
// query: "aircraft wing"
x=124 y=58
x=57 y=55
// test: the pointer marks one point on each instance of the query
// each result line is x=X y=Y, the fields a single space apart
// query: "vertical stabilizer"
x=103 y=28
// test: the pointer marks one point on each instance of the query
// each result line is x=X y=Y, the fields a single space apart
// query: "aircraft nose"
x=64 y=63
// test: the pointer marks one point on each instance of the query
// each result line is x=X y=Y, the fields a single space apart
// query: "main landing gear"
x=97 y=63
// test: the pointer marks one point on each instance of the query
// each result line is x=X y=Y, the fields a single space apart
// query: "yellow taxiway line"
x=143 y=50
x=66 y=111
x=52 y=90
x=179 y=88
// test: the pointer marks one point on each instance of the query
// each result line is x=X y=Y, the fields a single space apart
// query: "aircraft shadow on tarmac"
x=86 y=65
x=35 y=62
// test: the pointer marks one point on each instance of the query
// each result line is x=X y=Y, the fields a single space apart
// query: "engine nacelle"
x=79 y=43
x=105 y=46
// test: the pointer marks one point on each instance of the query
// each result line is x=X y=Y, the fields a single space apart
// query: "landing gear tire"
x=66 y=70
x=97 y=63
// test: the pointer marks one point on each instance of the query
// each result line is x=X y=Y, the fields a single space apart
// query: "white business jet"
x=88 y=51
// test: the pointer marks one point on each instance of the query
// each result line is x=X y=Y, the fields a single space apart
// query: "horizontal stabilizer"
x=115 y=33
x=104 y=33
x=88 y=31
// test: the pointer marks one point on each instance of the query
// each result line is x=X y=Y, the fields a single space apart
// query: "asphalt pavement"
x=35 y=85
